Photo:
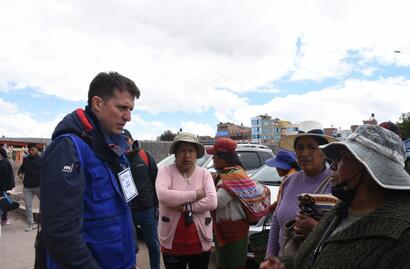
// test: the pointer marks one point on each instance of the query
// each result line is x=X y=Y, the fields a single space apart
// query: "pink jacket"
x=174 y=190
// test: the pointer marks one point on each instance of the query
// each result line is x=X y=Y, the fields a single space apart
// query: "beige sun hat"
x=189 y=138
x=306 y=128
x=380 y=151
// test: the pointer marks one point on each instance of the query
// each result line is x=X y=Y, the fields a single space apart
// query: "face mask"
x=344 y=192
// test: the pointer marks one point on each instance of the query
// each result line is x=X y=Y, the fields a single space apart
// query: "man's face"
x=32 y=151
x=113 y=113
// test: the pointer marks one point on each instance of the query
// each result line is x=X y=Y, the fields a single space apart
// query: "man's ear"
x=96 y=103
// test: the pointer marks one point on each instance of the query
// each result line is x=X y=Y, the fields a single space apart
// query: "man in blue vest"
x=86 y=182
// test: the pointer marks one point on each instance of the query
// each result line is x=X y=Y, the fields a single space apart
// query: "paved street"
x=17 y=246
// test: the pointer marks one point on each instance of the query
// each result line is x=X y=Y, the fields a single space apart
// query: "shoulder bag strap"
x=324 y=184
x=144 y=157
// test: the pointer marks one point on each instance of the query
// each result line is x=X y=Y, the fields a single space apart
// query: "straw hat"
x=306 y=128
x=189 y=138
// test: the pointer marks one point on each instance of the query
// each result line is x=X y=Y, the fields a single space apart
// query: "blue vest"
x=107 y=222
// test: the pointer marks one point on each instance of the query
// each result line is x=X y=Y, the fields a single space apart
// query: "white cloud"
x=199 y=56
x=142 y=129
x=22 y=125
x=7 y=107
x=341 y=106
x=172 y=49
x=198 y=128
x=15 y=123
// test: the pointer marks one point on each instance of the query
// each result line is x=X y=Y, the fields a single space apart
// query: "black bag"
x=7 y=204
x=259 y=241
x=40 y=260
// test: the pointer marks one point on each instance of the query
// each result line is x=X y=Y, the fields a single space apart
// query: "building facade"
x=239 y=133
x=262 y=131
x=282 y=128
x=16 y=148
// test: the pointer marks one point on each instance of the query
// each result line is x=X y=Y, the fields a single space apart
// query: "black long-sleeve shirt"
x=31 y=169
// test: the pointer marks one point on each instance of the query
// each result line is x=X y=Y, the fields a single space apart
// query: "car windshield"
x=267 y=175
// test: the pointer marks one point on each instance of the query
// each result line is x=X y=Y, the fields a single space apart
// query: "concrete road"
x=17 y=247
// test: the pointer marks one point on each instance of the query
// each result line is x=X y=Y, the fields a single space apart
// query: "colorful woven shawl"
x=254 y=196
x=235 y=181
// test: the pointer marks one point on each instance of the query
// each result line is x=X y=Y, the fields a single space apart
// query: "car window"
x=249 y=159
x=267 y=175
x=265 y=156
x=202 y=161
x=167 y=161
x=171 y=160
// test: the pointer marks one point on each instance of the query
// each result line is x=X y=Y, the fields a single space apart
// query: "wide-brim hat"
x=188 y=138
x=380 y=151
x=288 y=142
x=282 y=160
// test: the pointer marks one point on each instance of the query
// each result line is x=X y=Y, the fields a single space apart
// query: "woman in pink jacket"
x=186 y=195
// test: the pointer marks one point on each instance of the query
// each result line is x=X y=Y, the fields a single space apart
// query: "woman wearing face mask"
x=186 y=195
x=313 y=178
x=370 y=227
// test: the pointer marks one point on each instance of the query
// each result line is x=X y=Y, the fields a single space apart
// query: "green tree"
x=404 y=124
x=167 y=135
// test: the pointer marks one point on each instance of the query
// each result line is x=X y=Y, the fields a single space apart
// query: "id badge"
x=127 y=184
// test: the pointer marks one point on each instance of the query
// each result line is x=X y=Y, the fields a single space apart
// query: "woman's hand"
x=200 y=194
x=272 y=263
x=304 y=225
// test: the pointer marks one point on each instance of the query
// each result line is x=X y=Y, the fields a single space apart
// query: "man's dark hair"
x=3 y=153
x=31 y=145
x=105 y=84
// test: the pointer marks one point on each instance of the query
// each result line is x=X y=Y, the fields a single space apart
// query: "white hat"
x=189 y=138
x=306 y=128
x=380 y=151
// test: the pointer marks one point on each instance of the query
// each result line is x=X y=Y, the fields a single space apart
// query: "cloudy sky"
x=201 y=62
